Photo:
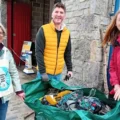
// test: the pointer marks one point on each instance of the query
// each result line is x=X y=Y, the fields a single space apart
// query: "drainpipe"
x=117 y=7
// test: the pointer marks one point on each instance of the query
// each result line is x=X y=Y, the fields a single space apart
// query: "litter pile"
x=70 y=100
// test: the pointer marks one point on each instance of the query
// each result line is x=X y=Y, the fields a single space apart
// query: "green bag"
x=37 y=89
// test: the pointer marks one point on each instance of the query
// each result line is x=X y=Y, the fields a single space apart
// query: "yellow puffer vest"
x=53 y=55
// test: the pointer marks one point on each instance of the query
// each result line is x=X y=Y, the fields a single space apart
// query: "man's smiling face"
x=58 y=15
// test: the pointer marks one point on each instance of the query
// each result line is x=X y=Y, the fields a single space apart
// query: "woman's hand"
x=116 y=87
x=21 y=95
x=117 y=92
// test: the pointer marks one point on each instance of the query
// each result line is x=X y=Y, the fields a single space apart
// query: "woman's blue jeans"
x=3 y=110
x=56 y=77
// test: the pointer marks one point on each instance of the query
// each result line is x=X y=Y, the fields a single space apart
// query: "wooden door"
x=21 y=27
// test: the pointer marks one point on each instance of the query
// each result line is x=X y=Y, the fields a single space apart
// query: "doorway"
x=18 y=26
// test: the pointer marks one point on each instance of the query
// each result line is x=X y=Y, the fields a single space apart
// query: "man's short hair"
x=59 y=5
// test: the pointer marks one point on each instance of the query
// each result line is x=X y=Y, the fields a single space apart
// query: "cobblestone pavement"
x=17 y=110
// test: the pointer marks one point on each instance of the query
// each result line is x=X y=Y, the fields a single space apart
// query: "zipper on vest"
x=56 y=61
x=58 y=44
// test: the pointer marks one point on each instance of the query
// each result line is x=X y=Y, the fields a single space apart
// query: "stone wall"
x=40 y=15
x=3 y=16
x=85 y=19
x=3 y=13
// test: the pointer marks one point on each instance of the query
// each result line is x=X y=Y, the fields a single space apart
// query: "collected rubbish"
x=80 y=104
x=53 y=100
x=75 y=100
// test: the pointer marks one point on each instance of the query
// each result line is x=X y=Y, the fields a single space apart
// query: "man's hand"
x=69 y=73
x=45 y=77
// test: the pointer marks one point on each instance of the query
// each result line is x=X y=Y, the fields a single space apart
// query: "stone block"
x=72 y=21
x=95 y=34
x=101 y=7
x=69 y=14
x=90 y=73
x=78 y=13
x=86 y=12
x=81 y=0
x=75 y=7
x=73 y=27
x=68 y=2
x=104 y=21
x=37 y=13
x=84 y=5
x=36 y=4
x=97 y=20
x=99 y=55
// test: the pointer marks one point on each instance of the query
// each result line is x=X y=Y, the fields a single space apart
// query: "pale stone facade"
x=3 y=13
x=85 y=19
x=3 y=18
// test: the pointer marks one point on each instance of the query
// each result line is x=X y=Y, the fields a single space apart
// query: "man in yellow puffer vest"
x=53 y=46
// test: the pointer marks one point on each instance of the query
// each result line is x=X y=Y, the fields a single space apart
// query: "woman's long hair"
x=111 y=32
